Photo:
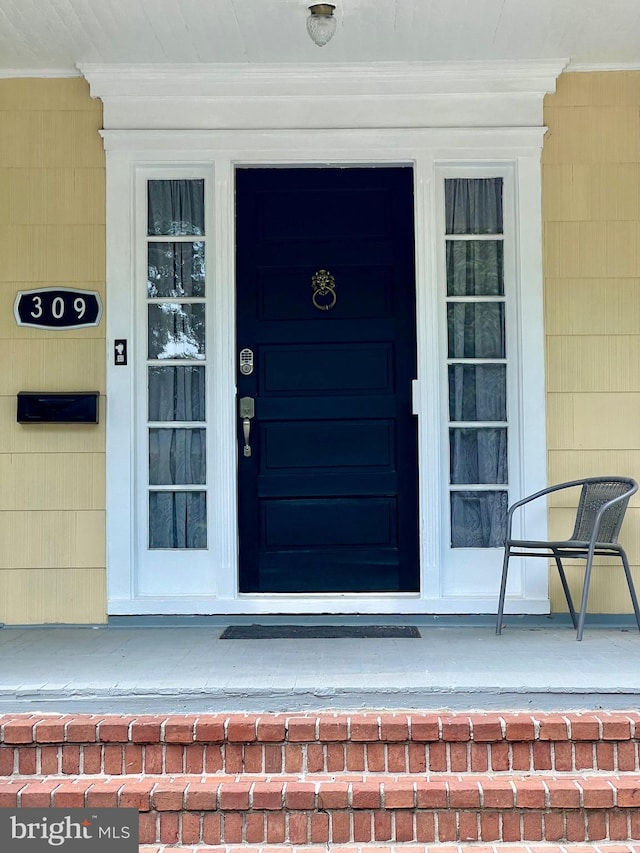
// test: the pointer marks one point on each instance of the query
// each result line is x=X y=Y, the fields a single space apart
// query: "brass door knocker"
x=324 y=290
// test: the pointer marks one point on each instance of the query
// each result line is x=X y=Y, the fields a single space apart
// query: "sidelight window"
x=176 y=364
x=476 y=361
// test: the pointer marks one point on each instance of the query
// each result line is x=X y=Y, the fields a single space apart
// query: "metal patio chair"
x=601 y=509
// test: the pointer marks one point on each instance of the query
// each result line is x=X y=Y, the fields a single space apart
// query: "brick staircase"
x=359 y=781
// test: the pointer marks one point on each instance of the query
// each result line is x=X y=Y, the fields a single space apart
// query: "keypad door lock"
x=246 y=362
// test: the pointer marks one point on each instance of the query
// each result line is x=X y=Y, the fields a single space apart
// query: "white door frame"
x=473 y=144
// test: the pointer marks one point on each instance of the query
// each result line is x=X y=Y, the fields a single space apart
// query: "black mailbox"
x=65 y=407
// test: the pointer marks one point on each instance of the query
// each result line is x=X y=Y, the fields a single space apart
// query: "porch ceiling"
x=53 y=36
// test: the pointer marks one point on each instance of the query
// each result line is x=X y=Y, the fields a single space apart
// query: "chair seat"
x=567 y=544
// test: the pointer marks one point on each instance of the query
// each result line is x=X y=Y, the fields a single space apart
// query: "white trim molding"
x=474 y=116
x=189 y=97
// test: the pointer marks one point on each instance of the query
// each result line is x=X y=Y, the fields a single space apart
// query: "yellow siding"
x=59 y=196
x=52 y=539
x=591 y=222
x=41 y=596
x=52 y=494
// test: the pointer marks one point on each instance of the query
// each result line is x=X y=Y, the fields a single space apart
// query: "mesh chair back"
x=592 y=497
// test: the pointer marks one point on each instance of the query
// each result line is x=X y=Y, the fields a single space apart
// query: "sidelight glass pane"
x=475 y=268
x=177 y=457
x=175 y=207
x=176 y=330
x=473 y=205
x=478 y=455
x=175 y=269
x=478 y=519
x=477 y=392
x=177 y=394
x=476 y=329
x=177 y=520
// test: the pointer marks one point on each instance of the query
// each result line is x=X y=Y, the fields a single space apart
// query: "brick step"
x=52 y=744
x=204 y=810
x=605 y=847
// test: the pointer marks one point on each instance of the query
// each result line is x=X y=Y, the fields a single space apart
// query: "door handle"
x=246 y=430
x=247 y=412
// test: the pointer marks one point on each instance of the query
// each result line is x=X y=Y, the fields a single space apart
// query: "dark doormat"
x=318 y=632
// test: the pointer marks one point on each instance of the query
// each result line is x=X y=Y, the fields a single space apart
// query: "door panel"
x=318 y=445
x=311 y=369
x=329 y=522
x=328 y=496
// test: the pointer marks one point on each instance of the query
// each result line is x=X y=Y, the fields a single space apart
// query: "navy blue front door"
x=326 y=304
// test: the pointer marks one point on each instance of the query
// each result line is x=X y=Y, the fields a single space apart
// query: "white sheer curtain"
x=175 y=207
x=473 y=205
x=176 y=391
x=476 y=331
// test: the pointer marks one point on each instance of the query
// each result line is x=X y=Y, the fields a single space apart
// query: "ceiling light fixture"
x=321 y=25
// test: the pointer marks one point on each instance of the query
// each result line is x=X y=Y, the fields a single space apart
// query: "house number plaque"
x=57 y=308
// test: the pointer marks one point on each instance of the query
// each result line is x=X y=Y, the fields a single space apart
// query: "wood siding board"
x=592 y=306
x=570 y=464
x=594 y=363
x=617 y=88
x=592 y=134
x=52 y=481
x=53 y=539
x=48 y=596
x=595 y=192
x=54 y=364
x=50 y=94
x=59 y=254
x=65 y=196
x=591 y=249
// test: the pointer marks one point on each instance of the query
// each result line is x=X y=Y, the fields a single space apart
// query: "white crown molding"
x=245 y=97
x=159 y=80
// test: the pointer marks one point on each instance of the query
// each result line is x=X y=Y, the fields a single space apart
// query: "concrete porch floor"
x=181 y=666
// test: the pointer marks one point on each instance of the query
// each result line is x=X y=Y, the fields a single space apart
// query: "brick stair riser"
x=189 y=811
x=598 y=847
x=119 y=759
x=344 y=827
x=365 y=826
x=53 y=745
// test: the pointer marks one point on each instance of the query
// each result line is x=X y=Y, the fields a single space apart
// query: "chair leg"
x=567 y=593
x=634 y=597
x=503 y=588
x=585 y=594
